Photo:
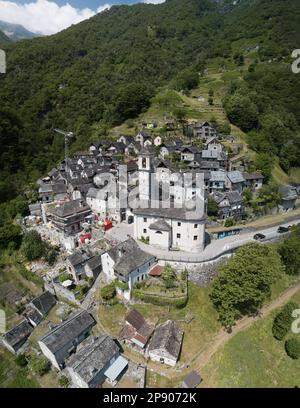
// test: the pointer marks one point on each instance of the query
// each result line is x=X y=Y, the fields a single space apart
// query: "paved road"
x=216 y=248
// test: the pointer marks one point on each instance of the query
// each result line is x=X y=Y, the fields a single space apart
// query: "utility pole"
x=67 y=136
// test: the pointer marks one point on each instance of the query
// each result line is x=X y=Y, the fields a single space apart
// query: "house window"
x=172 y=183
x=144 y=163
x=145 y=231
x=178 y=236
x=195 y=237
x=195 y=225
x=178 y=224
x=145 y=219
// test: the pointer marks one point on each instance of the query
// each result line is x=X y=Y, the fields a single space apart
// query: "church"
x=172 y=210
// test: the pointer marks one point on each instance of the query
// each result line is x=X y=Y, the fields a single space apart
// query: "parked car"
x=259 y=237
x=282 y=230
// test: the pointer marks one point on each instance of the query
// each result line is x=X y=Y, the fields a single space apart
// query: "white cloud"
x=154 y=1
x=44 y=16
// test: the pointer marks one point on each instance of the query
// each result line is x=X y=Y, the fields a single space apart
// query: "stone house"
x=203 y=130
x=62 y=341
x=97 y=360
x=253 y=181
x=289 y=197
x=136 y=331
x=83 y=264
x=39 y=307
x=188 y=153
x=230 y=205
x=235 y=181
x=14 y=339
x=126 y=139
x=165 y=344
x=127 y=262
x=69 y=216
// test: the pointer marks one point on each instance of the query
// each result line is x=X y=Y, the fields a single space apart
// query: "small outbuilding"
x=192 y=380
x=14 y=339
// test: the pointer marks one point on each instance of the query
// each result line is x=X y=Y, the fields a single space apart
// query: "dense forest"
x=4 y=40
x=106 y=69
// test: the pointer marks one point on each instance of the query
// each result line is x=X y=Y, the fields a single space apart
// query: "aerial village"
x=110 y=253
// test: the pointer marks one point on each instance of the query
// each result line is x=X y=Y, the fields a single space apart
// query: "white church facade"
x=181 y=226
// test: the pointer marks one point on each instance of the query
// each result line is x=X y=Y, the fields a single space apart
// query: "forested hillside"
x=106 y=69
x=4 y=40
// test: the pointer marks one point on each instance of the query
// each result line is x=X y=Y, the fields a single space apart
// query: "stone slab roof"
x=128 y=257
x=18 y=333
x=44 y=302
x=160 y=225
x=93 y=356
x=68 y=331
x=168 y=337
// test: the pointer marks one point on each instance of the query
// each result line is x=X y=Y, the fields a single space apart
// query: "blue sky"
x=51 y=16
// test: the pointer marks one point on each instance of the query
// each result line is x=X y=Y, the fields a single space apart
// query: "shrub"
x=108 y=292
x=33 y=246
x=63 y=277
x=21 y=360
x=229 y=222
x=51 y=256
x=292 y=348
x=63 y=381
x=39 y=365
x=283 y=320
x=84 y=289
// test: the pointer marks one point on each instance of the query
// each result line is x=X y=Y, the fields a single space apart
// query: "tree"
x=108 y=292
x=241 y=111
x=283 y=320
x=21 y=360
x=169 y=277
x=186 y=80
x=51 y=256
x=292 y=348
x=248 y=195
x=244 y=282
x=10 y=233
x=265 y=163
x=33 y=246
x=212 y=207
x=289 y=251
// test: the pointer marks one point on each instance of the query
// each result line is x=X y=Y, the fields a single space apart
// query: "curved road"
x=216 y=248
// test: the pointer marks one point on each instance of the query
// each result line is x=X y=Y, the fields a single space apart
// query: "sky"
x=51 y=16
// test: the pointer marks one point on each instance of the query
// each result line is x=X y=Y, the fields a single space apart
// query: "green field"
x=253 y=358
x=198 y=319
x=12 y=376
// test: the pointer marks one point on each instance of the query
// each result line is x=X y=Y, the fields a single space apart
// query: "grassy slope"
x=253 y=358
x=203 y=326
x=218 y=76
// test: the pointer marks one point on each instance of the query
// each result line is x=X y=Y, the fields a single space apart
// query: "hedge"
x=283 y=320
x=178 y=302
x=292 y=348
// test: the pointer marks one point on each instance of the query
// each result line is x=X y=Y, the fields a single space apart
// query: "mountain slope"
x=15 y=32
x=107 y=68
x=3 y=39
